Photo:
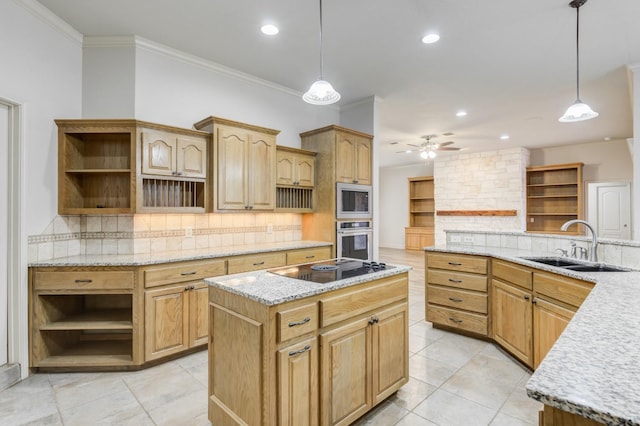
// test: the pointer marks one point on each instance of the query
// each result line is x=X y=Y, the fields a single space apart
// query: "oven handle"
x=366 y=231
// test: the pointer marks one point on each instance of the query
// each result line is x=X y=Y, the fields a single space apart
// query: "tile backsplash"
x=144 y=233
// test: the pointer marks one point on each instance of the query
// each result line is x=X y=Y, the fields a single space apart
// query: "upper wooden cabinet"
x=353 y=161
x=244 y=157
x=295 y=167
x=171 y=155
x=554 y=196
x=125 y=166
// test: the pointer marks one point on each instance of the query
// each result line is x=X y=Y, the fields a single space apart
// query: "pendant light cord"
x=321 y=64
x=577 y=51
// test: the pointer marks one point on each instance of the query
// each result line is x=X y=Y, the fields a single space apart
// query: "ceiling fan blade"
x=445 y=143
x=406 y=151
x=411 y=144
x=449 y=149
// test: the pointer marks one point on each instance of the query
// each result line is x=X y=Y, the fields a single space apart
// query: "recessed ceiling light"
x=430 y=38
x=461 y=113
x=269 y=29
x=504 y=137
x=408 y=151
x=607 y=138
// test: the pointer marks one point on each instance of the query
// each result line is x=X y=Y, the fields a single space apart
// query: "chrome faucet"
x=593 y=256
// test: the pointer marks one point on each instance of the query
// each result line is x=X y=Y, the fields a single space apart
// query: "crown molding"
x=50 y=18
x=109 y=41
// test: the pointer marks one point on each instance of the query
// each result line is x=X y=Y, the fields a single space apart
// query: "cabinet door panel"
x=345 y=381
x=262 y=187
x=166 y=324
x=390 y=351
x=285 y=165
x=199 y=315
x=158 y=154
x=345 y=158
x=232 y=169
x=298 y=384
x=513 y=317
x=549 y=321
x=305 y=168
x=363 y=161
x=192 y=157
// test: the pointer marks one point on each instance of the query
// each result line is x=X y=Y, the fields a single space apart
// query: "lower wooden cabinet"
x=269 y=366
x=549 y=321
x=512 y=320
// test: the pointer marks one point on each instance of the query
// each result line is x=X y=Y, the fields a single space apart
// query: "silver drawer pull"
x=304 y=321
x=310 y=257
x=303 y=350
x=455 y=320
x=258 y=263
x=83 y=281
x=188 y=273
x=453 y=299
x=455 y=281
x=455 y=264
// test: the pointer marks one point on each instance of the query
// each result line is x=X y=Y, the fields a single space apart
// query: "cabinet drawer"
x=475 y=323
x=561 y=288
x=184 y=271
x=457 y=279
x=356 y=302
x=458 y=299
x=256 y=262
x=308 y=255
x=84 y=280
x=297 y=321
x=512 y=273
x=457 y=262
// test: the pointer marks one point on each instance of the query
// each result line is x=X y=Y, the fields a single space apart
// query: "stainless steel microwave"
x=353 y=201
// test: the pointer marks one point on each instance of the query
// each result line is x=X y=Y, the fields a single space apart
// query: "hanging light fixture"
x=321 y=92
x=579 y=111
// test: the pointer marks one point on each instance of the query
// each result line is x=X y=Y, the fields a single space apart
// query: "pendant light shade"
x=321 y=92
x=579 y=111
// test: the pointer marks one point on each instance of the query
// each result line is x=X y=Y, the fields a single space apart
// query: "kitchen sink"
x=564 y=263
x=554 y=261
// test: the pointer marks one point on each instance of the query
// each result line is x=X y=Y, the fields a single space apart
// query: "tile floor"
x=455 y=380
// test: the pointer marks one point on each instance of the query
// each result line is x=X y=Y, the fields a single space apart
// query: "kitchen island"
x=288 y=351
x=592 y=370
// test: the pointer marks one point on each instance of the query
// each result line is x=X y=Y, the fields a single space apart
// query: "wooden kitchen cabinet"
x=295 y=167
x=315 y=254
x=456 y=291
x=324 y=359
x=354 y=156
x=169 y=154
x=244 y=161
x=419 y=233
x=176 y=306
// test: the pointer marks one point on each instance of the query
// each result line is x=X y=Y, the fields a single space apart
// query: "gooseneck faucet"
x=593 y=256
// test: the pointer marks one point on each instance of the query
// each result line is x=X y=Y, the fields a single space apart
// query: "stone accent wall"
x=145 y=233
x=493 y=180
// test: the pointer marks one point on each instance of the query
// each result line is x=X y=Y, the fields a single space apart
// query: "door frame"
x=17 y=264
x=592 y=202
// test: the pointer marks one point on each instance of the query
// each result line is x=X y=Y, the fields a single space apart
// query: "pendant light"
x=321 y=92
x=579 y=111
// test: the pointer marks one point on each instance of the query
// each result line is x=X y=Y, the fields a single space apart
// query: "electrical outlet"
x=468 y=239
x=188 y=232
x=270 y=228
x=455 y=238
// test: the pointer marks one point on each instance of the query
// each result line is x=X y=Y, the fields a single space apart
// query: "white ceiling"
x=509 y=63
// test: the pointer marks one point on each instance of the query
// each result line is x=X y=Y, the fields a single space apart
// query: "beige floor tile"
x=452 y=350
x=505 y=371
x=485 y=392
x=387 y=413
x=520 y=406
x=412 y=419
x=430 y=370
x=80 y=392
x=30 y=401
x=447 y=409
x=503 y=420
x=188 y=409
x=412 y=394
x=115 y=409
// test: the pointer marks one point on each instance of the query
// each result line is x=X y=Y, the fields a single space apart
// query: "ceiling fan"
x=428 y=148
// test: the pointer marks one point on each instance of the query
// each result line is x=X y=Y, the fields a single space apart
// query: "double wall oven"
x=354 y=232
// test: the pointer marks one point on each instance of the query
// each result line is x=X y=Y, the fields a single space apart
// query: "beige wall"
x=603 y=161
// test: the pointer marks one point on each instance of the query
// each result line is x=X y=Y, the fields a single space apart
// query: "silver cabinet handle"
x=258 y=263
x=455 y=264
x=188 y=273
x=453 y=299
x=309 y=257
x=455 y=320
x=455 y=281
x=83 y=281
x=303 y=350
x=304 y=321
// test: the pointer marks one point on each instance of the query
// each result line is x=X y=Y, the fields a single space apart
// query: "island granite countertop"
x=593 y=370
x=175 y=256
x=272 y=289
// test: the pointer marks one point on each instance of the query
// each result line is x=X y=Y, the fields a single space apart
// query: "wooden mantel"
x=477 y=212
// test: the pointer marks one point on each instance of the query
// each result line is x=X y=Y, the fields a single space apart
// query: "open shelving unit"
x=554 y=196
x=419 y=233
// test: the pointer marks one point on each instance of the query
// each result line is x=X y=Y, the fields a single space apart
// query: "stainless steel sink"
x=564 y=263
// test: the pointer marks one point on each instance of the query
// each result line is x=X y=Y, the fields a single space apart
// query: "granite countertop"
x=593 y=368
x=272 y=289
x=175 y=256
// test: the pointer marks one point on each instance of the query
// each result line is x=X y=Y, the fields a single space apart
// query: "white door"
x=610 y=209
x=4 y=213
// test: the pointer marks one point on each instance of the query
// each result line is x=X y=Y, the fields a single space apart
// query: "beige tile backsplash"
x=144 y=233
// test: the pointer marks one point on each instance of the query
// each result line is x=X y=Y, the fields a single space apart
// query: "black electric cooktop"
x=331 y=270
